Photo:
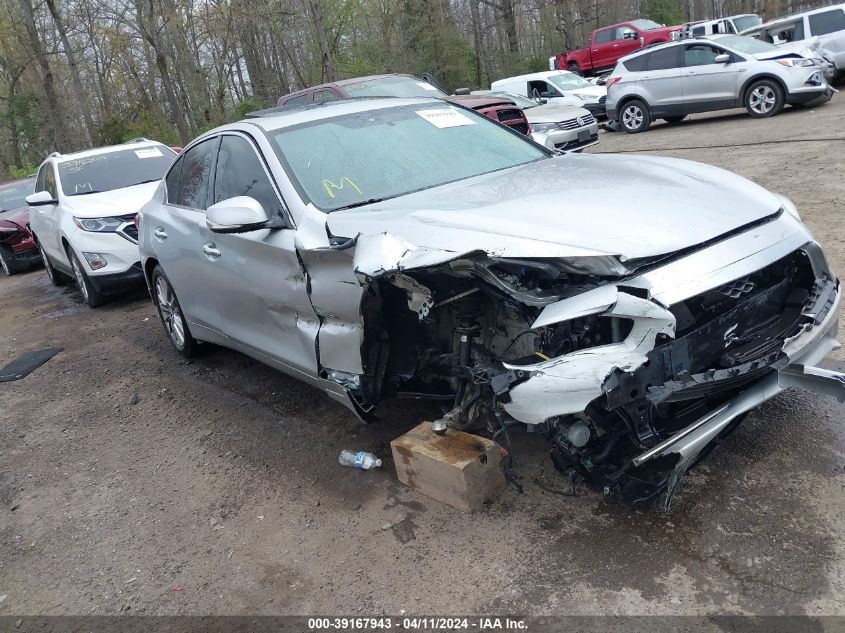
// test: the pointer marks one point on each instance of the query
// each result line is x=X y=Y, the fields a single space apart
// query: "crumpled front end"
x=632 y=369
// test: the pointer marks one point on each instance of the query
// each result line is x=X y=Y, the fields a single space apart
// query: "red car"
x=610 y=43
x=499 y=109
x=18 y=250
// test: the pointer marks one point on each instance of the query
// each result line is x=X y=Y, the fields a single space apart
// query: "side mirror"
x=236 y=215
x=724 y=58
x=546 y=95
x=462 y=92
x=40 y=199
x=543 y=139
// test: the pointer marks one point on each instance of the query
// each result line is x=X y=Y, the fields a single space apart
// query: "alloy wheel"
x=171 y=315
x=80 y=278
x=763 y=99
x=632 y=117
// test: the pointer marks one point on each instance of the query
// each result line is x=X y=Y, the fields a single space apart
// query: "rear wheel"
x=764 y=98
x=6 y=263
x=170 y=313
x=56 y=278
x=574 y=68
x=635 y=117
x=93 y=298
x=675 y=119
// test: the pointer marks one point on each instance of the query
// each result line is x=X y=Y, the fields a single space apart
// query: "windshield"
x=13 y=196
x=745 y=44
x=747 y=22
x=519 y=100
x=114 y=170
x=646 y=25
x=393 y=87
x=569 y=81
x=368 y=156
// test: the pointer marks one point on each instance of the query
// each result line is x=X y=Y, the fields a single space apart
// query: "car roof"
x=96 y=151
x=287 y=117
x=15 y=183
x=345 y=82
x=658 y=46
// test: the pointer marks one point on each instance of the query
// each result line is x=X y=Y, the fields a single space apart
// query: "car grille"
x=522 y=128
x=509 y=115
x=128 y=231
x=603 y=99
x=581 y=121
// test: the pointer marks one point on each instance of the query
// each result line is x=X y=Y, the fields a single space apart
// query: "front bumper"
x=121 y=254
x=597 y=109
x=115 y=283
x=578 y=138
x=811 y=97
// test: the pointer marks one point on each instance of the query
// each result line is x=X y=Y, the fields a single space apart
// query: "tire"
x=170 y=313
x=574 y=68
x=89 y=294
x=764 y=98
x=671 y=120
x=7 y=266
x=56 y=278
x=635 y=117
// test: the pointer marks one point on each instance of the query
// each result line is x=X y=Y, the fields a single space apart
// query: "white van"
x=556 y=87
x=823 y=30
x=733 y=24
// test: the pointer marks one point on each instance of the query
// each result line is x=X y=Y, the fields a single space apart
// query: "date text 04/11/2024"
x=417 y=624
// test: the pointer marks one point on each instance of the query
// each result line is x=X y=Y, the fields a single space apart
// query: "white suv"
x=83 y=212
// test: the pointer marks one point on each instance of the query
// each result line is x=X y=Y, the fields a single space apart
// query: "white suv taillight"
x=612 y=80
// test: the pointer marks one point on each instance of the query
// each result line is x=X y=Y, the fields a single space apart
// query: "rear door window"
x=603 y=37
x=827 y=22
x=300 y=100
x=195 y=175
x=664 y=59
x=635 y=64
x=240 y=172
x=321 y=96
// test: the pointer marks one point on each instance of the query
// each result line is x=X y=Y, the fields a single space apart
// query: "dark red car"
x=18 y=250
x=609 y=43
x=499 y=109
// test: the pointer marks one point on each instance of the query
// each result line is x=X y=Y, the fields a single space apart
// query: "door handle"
x=211 y=250
x=616 y=46
x=160 y=233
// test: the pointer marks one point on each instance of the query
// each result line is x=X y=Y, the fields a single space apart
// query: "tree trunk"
x=74 y=73
x=315 y=10
x=46 y=74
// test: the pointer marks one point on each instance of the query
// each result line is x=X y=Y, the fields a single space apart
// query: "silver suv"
x=673 y=80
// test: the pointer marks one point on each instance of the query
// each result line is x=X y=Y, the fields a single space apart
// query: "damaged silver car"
x=631 y=309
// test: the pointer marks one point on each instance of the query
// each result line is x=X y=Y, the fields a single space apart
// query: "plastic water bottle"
x=361 y=460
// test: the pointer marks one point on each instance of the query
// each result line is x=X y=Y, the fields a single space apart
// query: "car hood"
x=786 y=50
x=18 y=216
x=111 y=203
x=552 y=113
x=569 y=206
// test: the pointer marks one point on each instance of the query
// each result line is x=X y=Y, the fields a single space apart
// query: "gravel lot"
x=131 y=482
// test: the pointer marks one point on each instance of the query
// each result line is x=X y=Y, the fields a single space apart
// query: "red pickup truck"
x=609 y=43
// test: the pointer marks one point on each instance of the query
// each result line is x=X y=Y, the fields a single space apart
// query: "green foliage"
x=147 y=124
x=25 y=170
x=663 y=11
x=246 y=105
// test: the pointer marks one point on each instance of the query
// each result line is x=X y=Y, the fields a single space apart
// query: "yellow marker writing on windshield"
x=331 y=187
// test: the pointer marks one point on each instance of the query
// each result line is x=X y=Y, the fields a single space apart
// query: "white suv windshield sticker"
x=445 y=117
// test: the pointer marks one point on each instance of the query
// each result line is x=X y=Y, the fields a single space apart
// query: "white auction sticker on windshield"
x=445 y=117
x=425 y=85
x=152 y=152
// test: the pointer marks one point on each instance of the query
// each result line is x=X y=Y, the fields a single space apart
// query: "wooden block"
x=459 y=469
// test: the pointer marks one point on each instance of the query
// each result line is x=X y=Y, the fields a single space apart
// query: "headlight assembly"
x=543 y=127
x=98 y=225
x=796 y=62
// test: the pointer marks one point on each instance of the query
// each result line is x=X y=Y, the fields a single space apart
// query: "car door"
x=253 y=282
x=602 y=47
x=626 y=39
x=178 y=230
x=706 y=84
x=660 y=82
x=47 y=223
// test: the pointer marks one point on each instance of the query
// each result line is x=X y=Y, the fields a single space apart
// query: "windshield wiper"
x=362 y=203
x=144 y=182
x=84 y=193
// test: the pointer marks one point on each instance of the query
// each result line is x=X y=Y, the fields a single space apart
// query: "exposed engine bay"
x=584 y=352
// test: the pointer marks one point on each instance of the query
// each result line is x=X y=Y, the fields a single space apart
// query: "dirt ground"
x=131 y=482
